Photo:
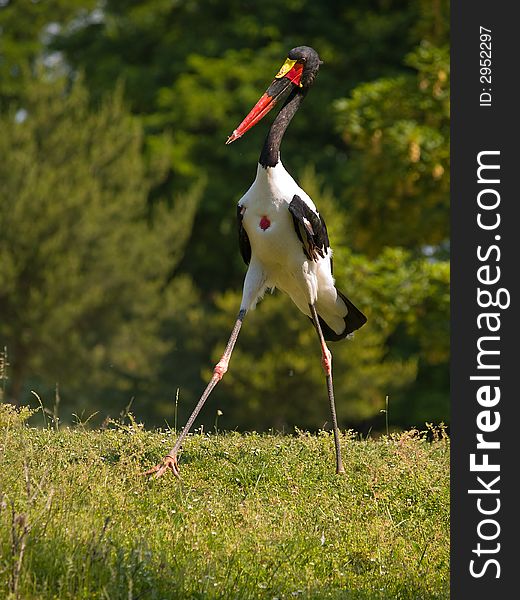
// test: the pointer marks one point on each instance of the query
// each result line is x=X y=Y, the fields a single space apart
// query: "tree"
x=397 y=132
x=375 y=128
x=25 y=30
x=193 y=70
x=82 y=273
x=276 y=379
x=397 y=185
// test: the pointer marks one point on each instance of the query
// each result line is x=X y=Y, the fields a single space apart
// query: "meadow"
x=254 y=515
x=120 y=278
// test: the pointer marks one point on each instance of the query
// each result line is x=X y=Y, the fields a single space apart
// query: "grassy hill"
x=254 y=516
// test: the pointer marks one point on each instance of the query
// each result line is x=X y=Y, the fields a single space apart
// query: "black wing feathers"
x=243 y=240
x=353 y=320
x=312 y=233
x=310 y=229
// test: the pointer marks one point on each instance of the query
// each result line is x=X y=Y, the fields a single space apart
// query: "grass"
x=254 y=516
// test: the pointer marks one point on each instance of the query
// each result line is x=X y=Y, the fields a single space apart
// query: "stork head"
x=297 y=73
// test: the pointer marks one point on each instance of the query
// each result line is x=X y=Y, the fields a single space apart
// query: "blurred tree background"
x=120 y=275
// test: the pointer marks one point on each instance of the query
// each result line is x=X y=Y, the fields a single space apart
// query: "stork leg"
x=169 y=462
x=327 y=367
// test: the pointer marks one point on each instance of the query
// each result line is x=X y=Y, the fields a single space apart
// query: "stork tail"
x=354 y=319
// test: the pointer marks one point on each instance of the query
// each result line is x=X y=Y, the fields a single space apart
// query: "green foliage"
x=286 y=385
x=398 y=181
x=255 y=516
x=102 y=178
x=197 y=86
x=14 y=416
x=25 y=29
x=81 y=271
x=407 y=331
x=275 y=379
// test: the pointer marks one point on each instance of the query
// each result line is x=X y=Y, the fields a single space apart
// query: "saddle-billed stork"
x=283 y=240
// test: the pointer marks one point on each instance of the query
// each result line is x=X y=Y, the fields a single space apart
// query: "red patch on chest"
x=265 y=223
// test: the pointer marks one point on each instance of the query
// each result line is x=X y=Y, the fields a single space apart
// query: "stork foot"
x=168 y=463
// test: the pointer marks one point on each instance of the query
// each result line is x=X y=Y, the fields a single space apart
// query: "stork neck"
x=270 y=155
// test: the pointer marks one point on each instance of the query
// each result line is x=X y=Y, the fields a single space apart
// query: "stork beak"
x=289 y=75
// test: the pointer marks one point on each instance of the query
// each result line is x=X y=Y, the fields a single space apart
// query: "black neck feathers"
x=270 y=154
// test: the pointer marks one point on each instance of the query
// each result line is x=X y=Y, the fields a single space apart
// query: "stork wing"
x=310 y=229
x=243 y=240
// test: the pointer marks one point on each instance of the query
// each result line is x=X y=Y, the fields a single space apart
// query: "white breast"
x=273 y=185
x=268 y=222
x=276 y=249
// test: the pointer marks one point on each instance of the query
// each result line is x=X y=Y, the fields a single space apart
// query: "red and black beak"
x=289 y=75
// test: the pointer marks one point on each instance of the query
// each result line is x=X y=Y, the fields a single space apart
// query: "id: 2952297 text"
x=485 y=66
